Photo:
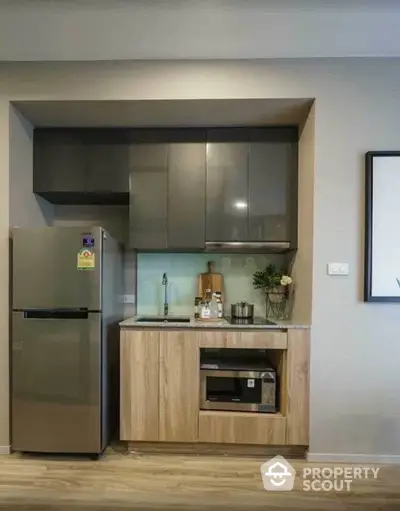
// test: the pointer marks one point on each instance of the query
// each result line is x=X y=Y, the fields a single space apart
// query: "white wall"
x=355 y=403
x=167 y=29
x=26 y=209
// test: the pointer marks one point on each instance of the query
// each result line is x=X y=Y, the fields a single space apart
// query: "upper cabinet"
x=80 y=166
x=107 y=161
x=272 y=186
x=252 y=185
x=167 y=198
x=188 y=189
x=148 y=196
x=227 y=191
x=58 y=164
x=186 y=195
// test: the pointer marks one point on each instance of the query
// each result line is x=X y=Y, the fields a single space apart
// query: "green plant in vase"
x=278 y=290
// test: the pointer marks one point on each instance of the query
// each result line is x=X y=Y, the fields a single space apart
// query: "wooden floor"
x=121 y=481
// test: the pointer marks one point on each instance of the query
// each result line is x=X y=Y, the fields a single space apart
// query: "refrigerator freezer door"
x=46 y=264
x=56 y=384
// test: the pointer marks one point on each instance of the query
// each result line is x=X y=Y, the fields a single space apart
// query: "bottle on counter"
x=205 y=310
x=197 y=303
x=214 y=306
x=220 y=305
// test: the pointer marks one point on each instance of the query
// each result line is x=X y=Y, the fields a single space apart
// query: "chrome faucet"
x=165 y=283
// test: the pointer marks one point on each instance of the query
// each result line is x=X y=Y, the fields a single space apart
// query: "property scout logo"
x=279 y=475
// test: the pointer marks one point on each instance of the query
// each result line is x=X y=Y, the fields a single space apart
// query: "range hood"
x=240 y=247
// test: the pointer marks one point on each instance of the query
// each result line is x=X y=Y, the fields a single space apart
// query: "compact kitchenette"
x=213 y=383
x=201 y=360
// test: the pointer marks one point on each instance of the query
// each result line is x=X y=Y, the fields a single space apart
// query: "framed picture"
x=382 y=226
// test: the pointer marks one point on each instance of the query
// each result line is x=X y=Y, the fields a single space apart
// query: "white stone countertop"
x=223 y=324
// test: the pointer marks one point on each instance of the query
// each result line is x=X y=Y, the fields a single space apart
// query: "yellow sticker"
x=85 y=259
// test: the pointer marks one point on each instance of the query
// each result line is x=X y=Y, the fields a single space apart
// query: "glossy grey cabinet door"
x=107 y=166
x=227 y=191
x=148 y=196
x=58 y=162
x=186 y=195
x=272 y=183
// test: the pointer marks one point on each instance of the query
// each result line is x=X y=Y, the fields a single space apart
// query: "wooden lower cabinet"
x=179 y=386
x=242 y=428
x=139 y=385
x=254 y=340
x=297 y=394
x=160 y=380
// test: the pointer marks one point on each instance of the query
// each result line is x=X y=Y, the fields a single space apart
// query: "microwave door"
x=231 y=390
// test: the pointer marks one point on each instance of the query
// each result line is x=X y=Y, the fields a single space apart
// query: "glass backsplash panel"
x=183 y=271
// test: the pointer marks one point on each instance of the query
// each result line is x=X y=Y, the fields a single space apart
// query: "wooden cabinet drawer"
x=242 y=428
x=251 y=339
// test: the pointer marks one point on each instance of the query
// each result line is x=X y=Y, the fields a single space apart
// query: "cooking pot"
x=242 y=310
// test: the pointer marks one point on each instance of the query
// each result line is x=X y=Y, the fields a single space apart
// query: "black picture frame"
x=372 y=209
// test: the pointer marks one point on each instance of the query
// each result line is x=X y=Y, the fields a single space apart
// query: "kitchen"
x=175 y=226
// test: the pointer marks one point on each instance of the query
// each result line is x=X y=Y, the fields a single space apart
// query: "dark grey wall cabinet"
x=80 y=166
x=148 y=196
x=252 y=185
x=186 y=195
x=272 y=188
x=185 y=187
x=107 y=167
x=59 y=163
x=227 y=191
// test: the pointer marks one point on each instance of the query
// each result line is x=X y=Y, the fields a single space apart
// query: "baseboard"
x=195 y=448
x=384 y=459
x=5 y=449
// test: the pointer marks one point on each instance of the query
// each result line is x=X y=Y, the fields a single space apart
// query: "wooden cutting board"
x=211 y=280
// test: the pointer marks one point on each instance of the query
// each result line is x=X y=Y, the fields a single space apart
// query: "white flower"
x=285 y=280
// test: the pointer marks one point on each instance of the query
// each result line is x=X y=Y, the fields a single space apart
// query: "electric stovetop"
x=249 y=321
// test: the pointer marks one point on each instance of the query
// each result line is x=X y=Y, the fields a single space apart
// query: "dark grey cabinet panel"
x=58 y=163
x=186 y=195
x=272 y=183
x=80 y=166
x=107 y=167
x=227 y=192
x=148 y=196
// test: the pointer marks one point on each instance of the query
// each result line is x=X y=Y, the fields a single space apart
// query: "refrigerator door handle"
x=56 y=314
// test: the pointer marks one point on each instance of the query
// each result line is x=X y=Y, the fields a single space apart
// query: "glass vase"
x=279 y=303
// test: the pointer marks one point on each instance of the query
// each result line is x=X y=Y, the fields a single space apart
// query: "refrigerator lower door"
x=56 y=382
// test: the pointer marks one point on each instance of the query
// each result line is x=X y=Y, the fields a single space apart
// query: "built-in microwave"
x=248 y=385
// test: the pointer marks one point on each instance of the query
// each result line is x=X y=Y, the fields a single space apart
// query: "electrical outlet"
x=249 y=261
x=129 y=299
x=338 y=268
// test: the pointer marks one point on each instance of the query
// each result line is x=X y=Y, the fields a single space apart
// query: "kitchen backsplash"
x=183 y=271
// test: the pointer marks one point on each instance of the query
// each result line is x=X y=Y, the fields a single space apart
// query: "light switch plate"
x=129 y=299
x=338 y=268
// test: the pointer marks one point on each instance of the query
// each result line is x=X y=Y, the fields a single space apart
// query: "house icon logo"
x=278 y=474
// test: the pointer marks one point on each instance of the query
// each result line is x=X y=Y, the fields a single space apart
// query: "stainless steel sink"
x=162 y=319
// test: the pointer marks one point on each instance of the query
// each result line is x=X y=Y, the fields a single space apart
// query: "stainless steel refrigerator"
x=66 y=295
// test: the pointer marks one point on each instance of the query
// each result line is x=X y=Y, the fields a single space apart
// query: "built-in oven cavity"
x=244 y=380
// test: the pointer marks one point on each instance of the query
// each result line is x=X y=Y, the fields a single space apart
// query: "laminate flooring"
x=120 y=481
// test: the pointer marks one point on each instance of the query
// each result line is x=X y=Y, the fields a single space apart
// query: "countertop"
x=223 y=324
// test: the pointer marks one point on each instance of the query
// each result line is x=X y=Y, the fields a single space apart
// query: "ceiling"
x=218 y=112
x=88 y=30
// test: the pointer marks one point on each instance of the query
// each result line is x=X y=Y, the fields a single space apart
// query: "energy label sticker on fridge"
x=85 y=259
